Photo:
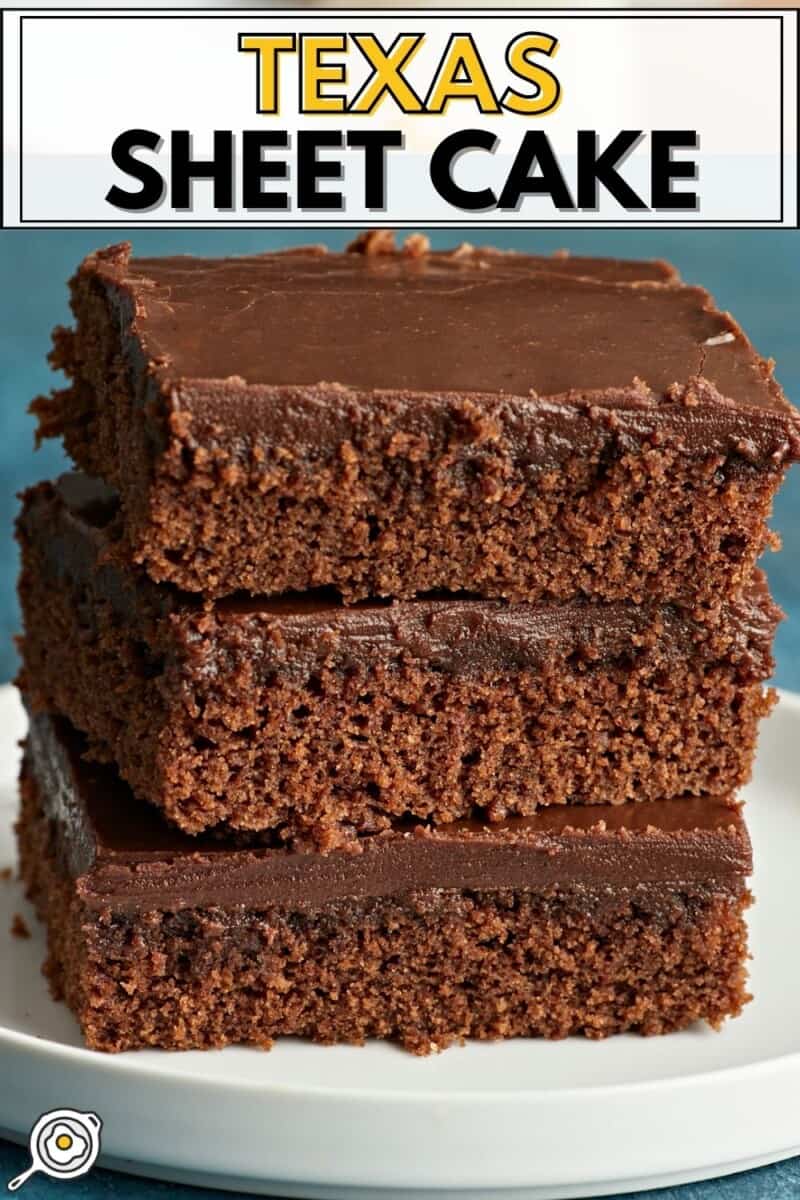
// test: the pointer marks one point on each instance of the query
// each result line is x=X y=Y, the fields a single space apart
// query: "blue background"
x=754 y=274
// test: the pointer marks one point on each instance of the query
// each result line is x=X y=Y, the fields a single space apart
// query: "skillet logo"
x=64 y=1144
x=415 y=76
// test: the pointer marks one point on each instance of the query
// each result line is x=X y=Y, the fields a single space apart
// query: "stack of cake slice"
x=395 y=663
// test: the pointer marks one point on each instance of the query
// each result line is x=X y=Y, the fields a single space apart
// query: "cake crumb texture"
x=426 y=970
x=415 y=431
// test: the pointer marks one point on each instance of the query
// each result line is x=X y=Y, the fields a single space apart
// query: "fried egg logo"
x=65 y=1147
x=64 y=1144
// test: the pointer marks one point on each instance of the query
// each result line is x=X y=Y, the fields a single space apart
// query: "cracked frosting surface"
x=468 y=321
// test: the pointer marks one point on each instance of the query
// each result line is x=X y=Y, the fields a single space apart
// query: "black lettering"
x=255 y=169
x=600 y=167
x=663 y=170
x=310 y=170
x=441 y=169
x=535 y=150
x=185 y=169
x=375 y=143
x=122 y=156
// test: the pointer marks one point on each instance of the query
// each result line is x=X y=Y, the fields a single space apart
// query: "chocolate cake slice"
x=389 y=424
x=591 y=921
x=322 y=721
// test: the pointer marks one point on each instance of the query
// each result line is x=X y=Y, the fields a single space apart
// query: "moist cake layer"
x=320 y=721
x=126 y=856
x=390 y=424
x=556 y=924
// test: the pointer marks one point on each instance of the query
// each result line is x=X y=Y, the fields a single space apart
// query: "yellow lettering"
x=461 y=76
x=267 y=50
x=317 y=74
x=387 y=78
x=547 y=96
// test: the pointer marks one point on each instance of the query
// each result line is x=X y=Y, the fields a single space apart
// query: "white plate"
x=546 y=1119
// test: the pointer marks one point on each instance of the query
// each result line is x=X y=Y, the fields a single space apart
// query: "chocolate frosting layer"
x=125 y=858
x=72 y=526
x=468 y=322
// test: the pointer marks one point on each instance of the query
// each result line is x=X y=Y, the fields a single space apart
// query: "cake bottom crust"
x=424 y=969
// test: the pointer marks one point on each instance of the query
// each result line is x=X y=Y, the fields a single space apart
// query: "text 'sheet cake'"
x=396 y=653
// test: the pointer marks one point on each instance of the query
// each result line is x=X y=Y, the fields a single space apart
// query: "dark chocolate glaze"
x=476 y=322
x=125 y=858
x=72 y=528
x=304 y=348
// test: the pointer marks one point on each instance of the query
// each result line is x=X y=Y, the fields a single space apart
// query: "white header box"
x=541 y=118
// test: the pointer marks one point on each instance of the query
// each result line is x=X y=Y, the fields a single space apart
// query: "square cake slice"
x=388 y=424
x=323 y=721
x=591 y=921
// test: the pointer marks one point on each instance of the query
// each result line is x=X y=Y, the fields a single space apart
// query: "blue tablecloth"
x=755 y=274
x=779 y=1182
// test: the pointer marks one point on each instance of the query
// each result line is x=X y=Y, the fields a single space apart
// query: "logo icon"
x=64 y=1144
